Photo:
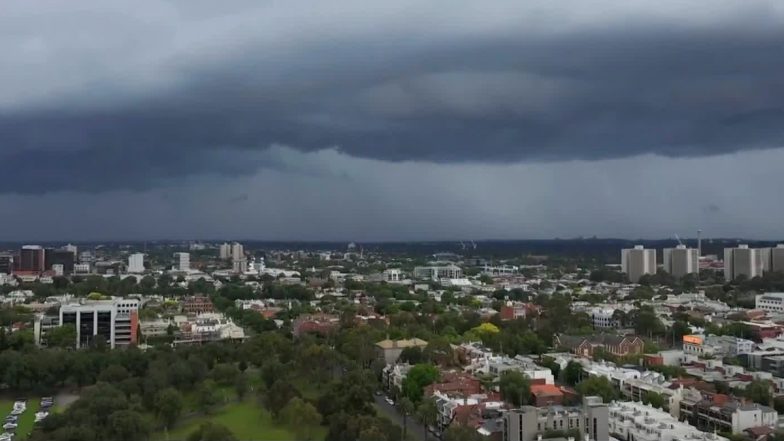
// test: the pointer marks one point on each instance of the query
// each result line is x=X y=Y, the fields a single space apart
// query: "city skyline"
x=355 y=121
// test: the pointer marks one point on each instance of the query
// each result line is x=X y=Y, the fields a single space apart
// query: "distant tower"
x=699 y=243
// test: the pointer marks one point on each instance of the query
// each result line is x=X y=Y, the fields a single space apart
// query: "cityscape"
x=362 y=220
x=463 y=340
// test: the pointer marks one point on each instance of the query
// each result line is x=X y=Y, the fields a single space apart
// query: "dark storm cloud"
x=451 y=88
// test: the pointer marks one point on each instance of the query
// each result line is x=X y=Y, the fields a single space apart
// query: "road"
x=416 y=431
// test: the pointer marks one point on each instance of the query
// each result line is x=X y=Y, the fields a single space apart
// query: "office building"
x=82 y=268
x=136 y=263
x=680 y=261
x=58 y=270
x=528 y=423
x=115 y=321
x=31 y=260
x=637 y=261
x=182 y=261
x=770 y=301
x=60 y=256
x=438 y=272
x=6 y=263
x=744 y=261
x=777 y=258
x=73 y=249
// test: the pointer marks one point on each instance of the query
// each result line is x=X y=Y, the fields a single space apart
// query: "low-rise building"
x=195 y=305
x=585 y=346
x=770 y=301
x=530 y=423
x=389 y=350
x=636 y=421
x=322 y=324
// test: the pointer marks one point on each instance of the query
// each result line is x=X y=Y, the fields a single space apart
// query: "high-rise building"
x=529 y=423
x=58 y=270
x=777 y=258
x=183 y=261
x=31 y=259
x=225 y=251
x=6 y=263
x=638 y=261
x=136 y=263
x=73 y=249
x=59 y=257
x=680 y=261
x=743 y=261
x=114 y=320
x=238 y=260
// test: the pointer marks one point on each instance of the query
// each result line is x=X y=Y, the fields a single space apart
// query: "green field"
x=26 y=420
x=247 y=420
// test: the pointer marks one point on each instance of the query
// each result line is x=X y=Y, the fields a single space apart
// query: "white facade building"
x=603 y=318
x=638 y=261
x=183 y=261
x=438 y=272
x=744 y=261
x=392 y=275
x=770 y=301
x=136 y=263
x=680 y=261
x=114 y=320
x=636 y=421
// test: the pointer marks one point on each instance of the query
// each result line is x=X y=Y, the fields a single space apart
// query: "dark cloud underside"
x=592 y=92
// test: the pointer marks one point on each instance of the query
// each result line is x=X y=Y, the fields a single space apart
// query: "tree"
x=458 y=432
x=168 y=406
x=597 y=386
x=654 y=399
x=224 y=374
x=759 y=392
x=207 y=396
x=241 y=385
x=276 y=398
x=427 y=413
x=114 y=373
x=210 y=431
x=406 y=408
x=515 y=387
x=418 y=377
x=573 y=372
x=411 y=355
x=61 y=337
x=127 y=425
x=301 y=417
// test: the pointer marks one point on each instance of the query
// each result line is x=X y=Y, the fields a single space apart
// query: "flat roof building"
x=680 y=261
x=637 y=261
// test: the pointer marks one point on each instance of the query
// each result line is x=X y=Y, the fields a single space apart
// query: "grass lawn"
x=247 y=420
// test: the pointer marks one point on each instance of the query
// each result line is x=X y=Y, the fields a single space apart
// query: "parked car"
x=8 y=426
x=390 y=401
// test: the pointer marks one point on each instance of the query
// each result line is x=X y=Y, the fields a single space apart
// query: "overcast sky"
x=365 y=120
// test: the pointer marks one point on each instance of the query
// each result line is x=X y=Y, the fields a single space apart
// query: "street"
x=416 y=431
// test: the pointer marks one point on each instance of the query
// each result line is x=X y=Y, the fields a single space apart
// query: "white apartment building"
x=81 y=268
x=744 y=261
x=183 y=261
x=770 y=301
x=136 y=263
x=630 y=420
x=602 y=318
x=638 y=261
x=680 y=261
